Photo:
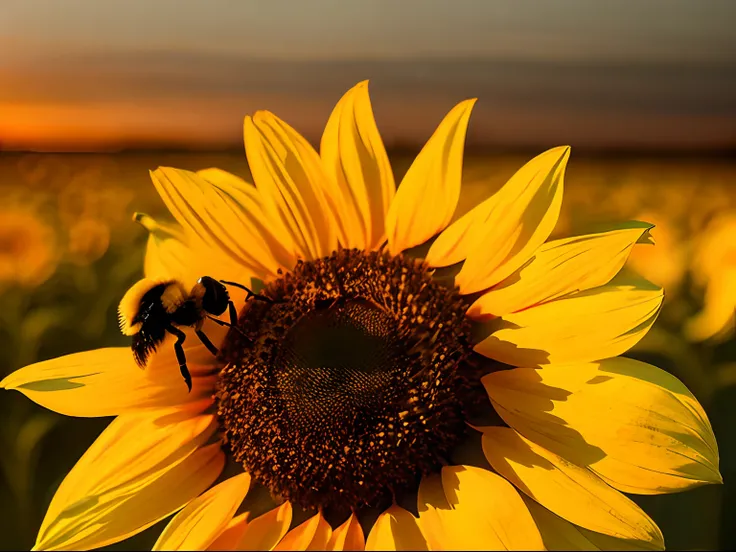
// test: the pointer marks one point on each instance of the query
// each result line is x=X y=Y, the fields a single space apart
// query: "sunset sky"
x=90 y=75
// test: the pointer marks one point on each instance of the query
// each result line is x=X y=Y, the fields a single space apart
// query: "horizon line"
x=398 y=149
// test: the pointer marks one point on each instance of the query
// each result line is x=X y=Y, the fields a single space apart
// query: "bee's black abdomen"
x=145 y=342
x=154 y=320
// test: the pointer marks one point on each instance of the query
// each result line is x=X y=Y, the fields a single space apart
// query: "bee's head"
x=130 y=304
x=213 y=295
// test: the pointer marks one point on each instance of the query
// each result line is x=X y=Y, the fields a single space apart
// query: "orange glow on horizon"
x=212 y=123
x=106 y=125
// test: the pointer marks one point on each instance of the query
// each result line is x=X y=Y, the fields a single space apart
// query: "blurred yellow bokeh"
x=714 y=269
x=28 y=247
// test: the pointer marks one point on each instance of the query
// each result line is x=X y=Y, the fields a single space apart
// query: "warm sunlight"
x=368 y=275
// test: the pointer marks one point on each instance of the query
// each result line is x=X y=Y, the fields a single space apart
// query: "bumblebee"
x=153 y=308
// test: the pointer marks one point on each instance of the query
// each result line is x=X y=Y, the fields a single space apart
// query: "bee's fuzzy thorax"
x=173 y=296
x=130 y=303
x=197 y=293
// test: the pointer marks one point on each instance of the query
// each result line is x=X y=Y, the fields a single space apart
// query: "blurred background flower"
x=714 y=271
x=95 y=95
x=89 y=239
x=666 y=263
x=28 y=247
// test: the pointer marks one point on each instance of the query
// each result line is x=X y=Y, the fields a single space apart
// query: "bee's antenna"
x=250 y=292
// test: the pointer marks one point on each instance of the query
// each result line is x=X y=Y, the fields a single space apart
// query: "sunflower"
x=401 y=381
x=714 y=269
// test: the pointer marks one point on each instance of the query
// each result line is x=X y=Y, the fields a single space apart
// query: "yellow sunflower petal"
x=455 y=243
x=633 y=424
x=168 y=255
x=606 y=542
x=468 y=508
x=204 y=518
x=570 y=491
x=266 y=531
x=507 y=229
x=436 y=527
x=229 y=538
x=213 y=217
x=187 y=260
x=355 y=157
x=313 y=534
x=277 y=249
x=428 y=194
x=561 y=267
x=141 y=469
x=349 y=536
x=559 y=534
x=172 y=256
x=505 y=208
x=599 y=323
x=396 y=529
x=289 y=175
x=106 y=382
x=322 y=535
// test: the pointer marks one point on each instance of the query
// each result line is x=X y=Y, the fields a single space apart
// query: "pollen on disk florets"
x=342 y=391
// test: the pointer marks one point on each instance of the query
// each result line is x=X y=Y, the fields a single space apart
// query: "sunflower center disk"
x=338 y=364
x=343 y=392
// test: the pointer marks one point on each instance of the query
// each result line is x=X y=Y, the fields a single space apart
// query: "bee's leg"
x=207 y=343
x=180 y=356
x=228 y=324
x=233 y=314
